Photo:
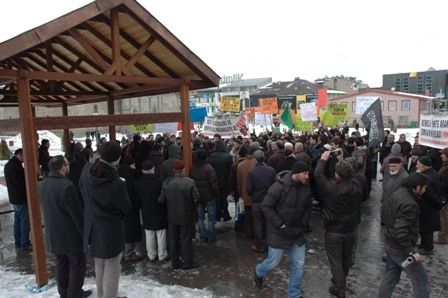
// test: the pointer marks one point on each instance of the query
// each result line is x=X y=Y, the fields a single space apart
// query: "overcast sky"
x=285 y=39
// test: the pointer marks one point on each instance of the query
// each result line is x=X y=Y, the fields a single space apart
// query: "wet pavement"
x=227 y=265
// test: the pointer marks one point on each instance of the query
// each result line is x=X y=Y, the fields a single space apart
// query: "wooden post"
x=30 y=161
x=111 y=111
x=67 y=140
x=186 y=134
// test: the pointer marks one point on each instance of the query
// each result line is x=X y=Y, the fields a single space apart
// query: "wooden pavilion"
x=105 y=51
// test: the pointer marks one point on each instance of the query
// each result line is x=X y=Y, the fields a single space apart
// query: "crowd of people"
x=111 y=198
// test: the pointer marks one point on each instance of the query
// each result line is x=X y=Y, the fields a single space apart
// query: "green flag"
x=286 y=117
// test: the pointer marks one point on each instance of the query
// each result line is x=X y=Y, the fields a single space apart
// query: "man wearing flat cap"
x=442 y=237
x=430 y=205
x=286 y=207
x=180 y=195
x=106 y=201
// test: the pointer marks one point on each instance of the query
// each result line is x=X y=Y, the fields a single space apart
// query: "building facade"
x=401 y=109
x=431 y=82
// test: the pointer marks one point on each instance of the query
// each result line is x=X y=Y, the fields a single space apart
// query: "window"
x=382 y=105
x=386 y=120
x=405 y=105
x=403 y=121
x=405 y=84
x=428 y=84
x=392 y=105
x=354 y=106
x=397 y=84
x=420 y=85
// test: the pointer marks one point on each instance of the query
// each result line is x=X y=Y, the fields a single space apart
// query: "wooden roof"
x=106 y=48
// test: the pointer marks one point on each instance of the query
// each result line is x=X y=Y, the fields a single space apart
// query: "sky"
x=287 y=38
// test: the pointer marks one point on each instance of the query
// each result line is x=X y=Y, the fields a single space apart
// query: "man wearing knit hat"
x=106 y=200
x=286 y=206
x=430 y=205
x=180 y=195
x=442 y=237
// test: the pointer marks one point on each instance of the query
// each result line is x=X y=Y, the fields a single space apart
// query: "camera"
x=409 y=260
x=335 y=152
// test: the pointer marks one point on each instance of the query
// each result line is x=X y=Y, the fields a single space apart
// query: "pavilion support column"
x=186 y=134
x=111 y=111
x=30 y=160
x=67 y=139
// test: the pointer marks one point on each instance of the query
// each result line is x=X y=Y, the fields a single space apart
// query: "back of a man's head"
x=343 y=169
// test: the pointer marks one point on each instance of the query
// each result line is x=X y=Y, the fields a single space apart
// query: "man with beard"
x=401 y=216
x=285 y=207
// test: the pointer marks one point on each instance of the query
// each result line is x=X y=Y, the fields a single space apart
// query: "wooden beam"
x=101 y=78
x=115 y=37
x=29 y=142
x=89 y=49
x=50 y=123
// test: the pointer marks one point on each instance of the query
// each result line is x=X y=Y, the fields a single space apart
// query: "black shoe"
x=226 y=219
x=86 y=294
x=384 y=258
x=189 y=267
x=258 y=280
x=333 y=292
x=175 y=265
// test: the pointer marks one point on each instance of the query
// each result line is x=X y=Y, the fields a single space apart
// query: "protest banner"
x=300 y=125
x=335 y=112
x=229 y=104
x=363 y=103
x=262 y=119
x=308 y=111
x=269 y=105
x=433 y=131
x=300 y=100
x=373 y=121
x=142 y=127
x=226 y=127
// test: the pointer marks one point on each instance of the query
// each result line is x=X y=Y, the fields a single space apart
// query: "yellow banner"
x=142 y=127
x=303 y=126
x=229 y=104
x=335 y=113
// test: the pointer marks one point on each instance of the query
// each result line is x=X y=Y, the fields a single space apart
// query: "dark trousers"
x=339 y=252
x=181 y=244
x=248 y=221
x=70 y=273
x=259 y=225
x=222 y=206
x=427 y=240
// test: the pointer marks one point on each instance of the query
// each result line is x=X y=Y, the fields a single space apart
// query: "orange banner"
x=269 y=105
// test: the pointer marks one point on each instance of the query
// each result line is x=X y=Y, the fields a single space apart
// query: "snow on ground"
x=132 y=286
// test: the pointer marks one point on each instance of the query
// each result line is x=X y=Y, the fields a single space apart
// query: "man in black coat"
x=15 y=183
x=44 y=157
x=154 y=214
x=430 y=205
x=106 y=200
x=342 y=199
x=63 y=219
x=222 y=162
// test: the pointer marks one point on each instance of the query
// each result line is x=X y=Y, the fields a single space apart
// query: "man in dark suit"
x=63 y=219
